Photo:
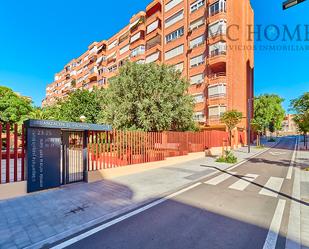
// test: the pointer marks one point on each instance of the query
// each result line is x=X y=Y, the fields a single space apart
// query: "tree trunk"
x=230 y=139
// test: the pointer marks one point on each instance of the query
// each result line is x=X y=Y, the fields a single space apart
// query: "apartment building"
x=205 y=40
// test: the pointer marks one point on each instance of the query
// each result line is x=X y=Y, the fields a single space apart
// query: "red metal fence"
x=120 y=148
x=110 y=149
x=12 y=163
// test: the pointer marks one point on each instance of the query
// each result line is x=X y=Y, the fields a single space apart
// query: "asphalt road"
x=231 y=209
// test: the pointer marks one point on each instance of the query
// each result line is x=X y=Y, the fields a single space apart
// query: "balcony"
x=217 y=15
x=217 y=59
x=217 y=37
x=216 y=78
x=153 y=45
x=214 y=120
x=219 y=99
x=153 y=8
x=93 y=76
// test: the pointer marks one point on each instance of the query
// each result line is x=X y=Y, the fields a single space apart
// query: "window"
x=196 y=5
x=124 y=49
x=153 y=26
x=113 y=68
x=137 y=51
x=196 y=61
x=153 y=42
x=199 y=117
x=197 y=41
x=153 y=57
x=112 y=45
x=179 y=67
x=217 y=91
x=174 y=18
x=135 y=37
x=174 y=35
x=197 y=79
x=123 y=37
x=174 y=52
x=102 y=82
x=216 y=111
x=217 y=49
x=197 y=23
x=171 y=4
x=140 y=62
x=93 y=70
x=217 y=28
x=217 y=7
x=199 y=98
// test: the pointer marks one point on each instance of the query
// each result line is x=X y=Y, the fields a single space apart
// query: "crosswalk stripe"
x=220 y=178
x=243 y=183
x=272 y=186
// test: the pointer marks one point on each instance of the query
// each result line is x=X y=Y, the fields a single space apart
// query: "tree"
x=79 y=103
x=302 y=121
x=148 y=97
x=268 y=111
x=301 y=107
x=231 y=119
x=13 y=107
x=271 y=127
x=258 y=127
x=301 y=104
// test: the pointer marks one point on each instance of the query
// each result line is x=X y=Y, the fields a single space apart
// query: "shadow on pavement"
x=182 y=224
x=259 y=185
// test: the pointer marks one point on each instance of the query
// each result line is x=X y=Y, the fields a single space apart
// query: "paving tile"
x=8 y=245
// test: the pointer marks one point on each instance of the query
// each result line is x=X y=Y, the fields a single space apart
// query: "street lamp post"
x=249 y=124
x=290 y=3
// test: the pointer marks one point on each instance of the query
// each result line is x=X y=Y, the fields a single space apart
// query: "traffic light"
x=290 y=3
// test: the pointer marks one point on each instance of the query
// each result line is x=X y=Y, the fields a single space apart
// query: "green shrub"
x=229 y=157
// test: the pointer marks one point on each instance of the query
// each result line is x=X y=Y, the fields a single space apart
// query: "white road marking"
x=272 y=236
x=272 y=187
x=243 y=183
x=253 y=156
x=277 y=153
x=119 y=219
x=220 y=178
x=290 y=171
x=293 y=237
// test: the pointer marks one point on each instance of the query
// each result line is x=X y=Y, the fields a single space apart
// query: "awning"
x=99 y=59
x=134 y=23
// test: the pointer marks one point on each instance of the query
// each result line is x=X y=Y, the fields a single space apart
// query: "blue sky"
x=39 y=37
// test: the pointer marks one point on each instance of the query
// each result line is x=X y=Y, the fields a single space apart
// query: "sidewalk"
x=298 y=227
x=45 y=217
x=303 y=163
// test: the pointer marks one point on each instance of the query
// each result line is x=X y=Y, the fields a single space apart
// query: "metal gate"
x=73 y=162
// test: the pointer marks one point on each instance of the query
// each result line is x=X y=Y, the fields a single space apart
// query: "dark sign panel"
x=43 y=158
x=66 y=125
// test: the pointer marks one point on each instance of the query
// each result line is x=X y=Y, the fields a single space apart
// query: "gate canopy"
x=51 y=124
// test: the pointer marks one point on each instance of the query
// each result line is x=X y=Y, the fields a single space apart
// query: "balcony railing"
x=218 y=95
x=217 y=75
x=213 y=13
x=217 y=53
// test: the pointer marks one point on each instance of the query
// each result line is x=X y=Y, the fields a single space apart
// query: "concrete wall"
x=12 y=190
